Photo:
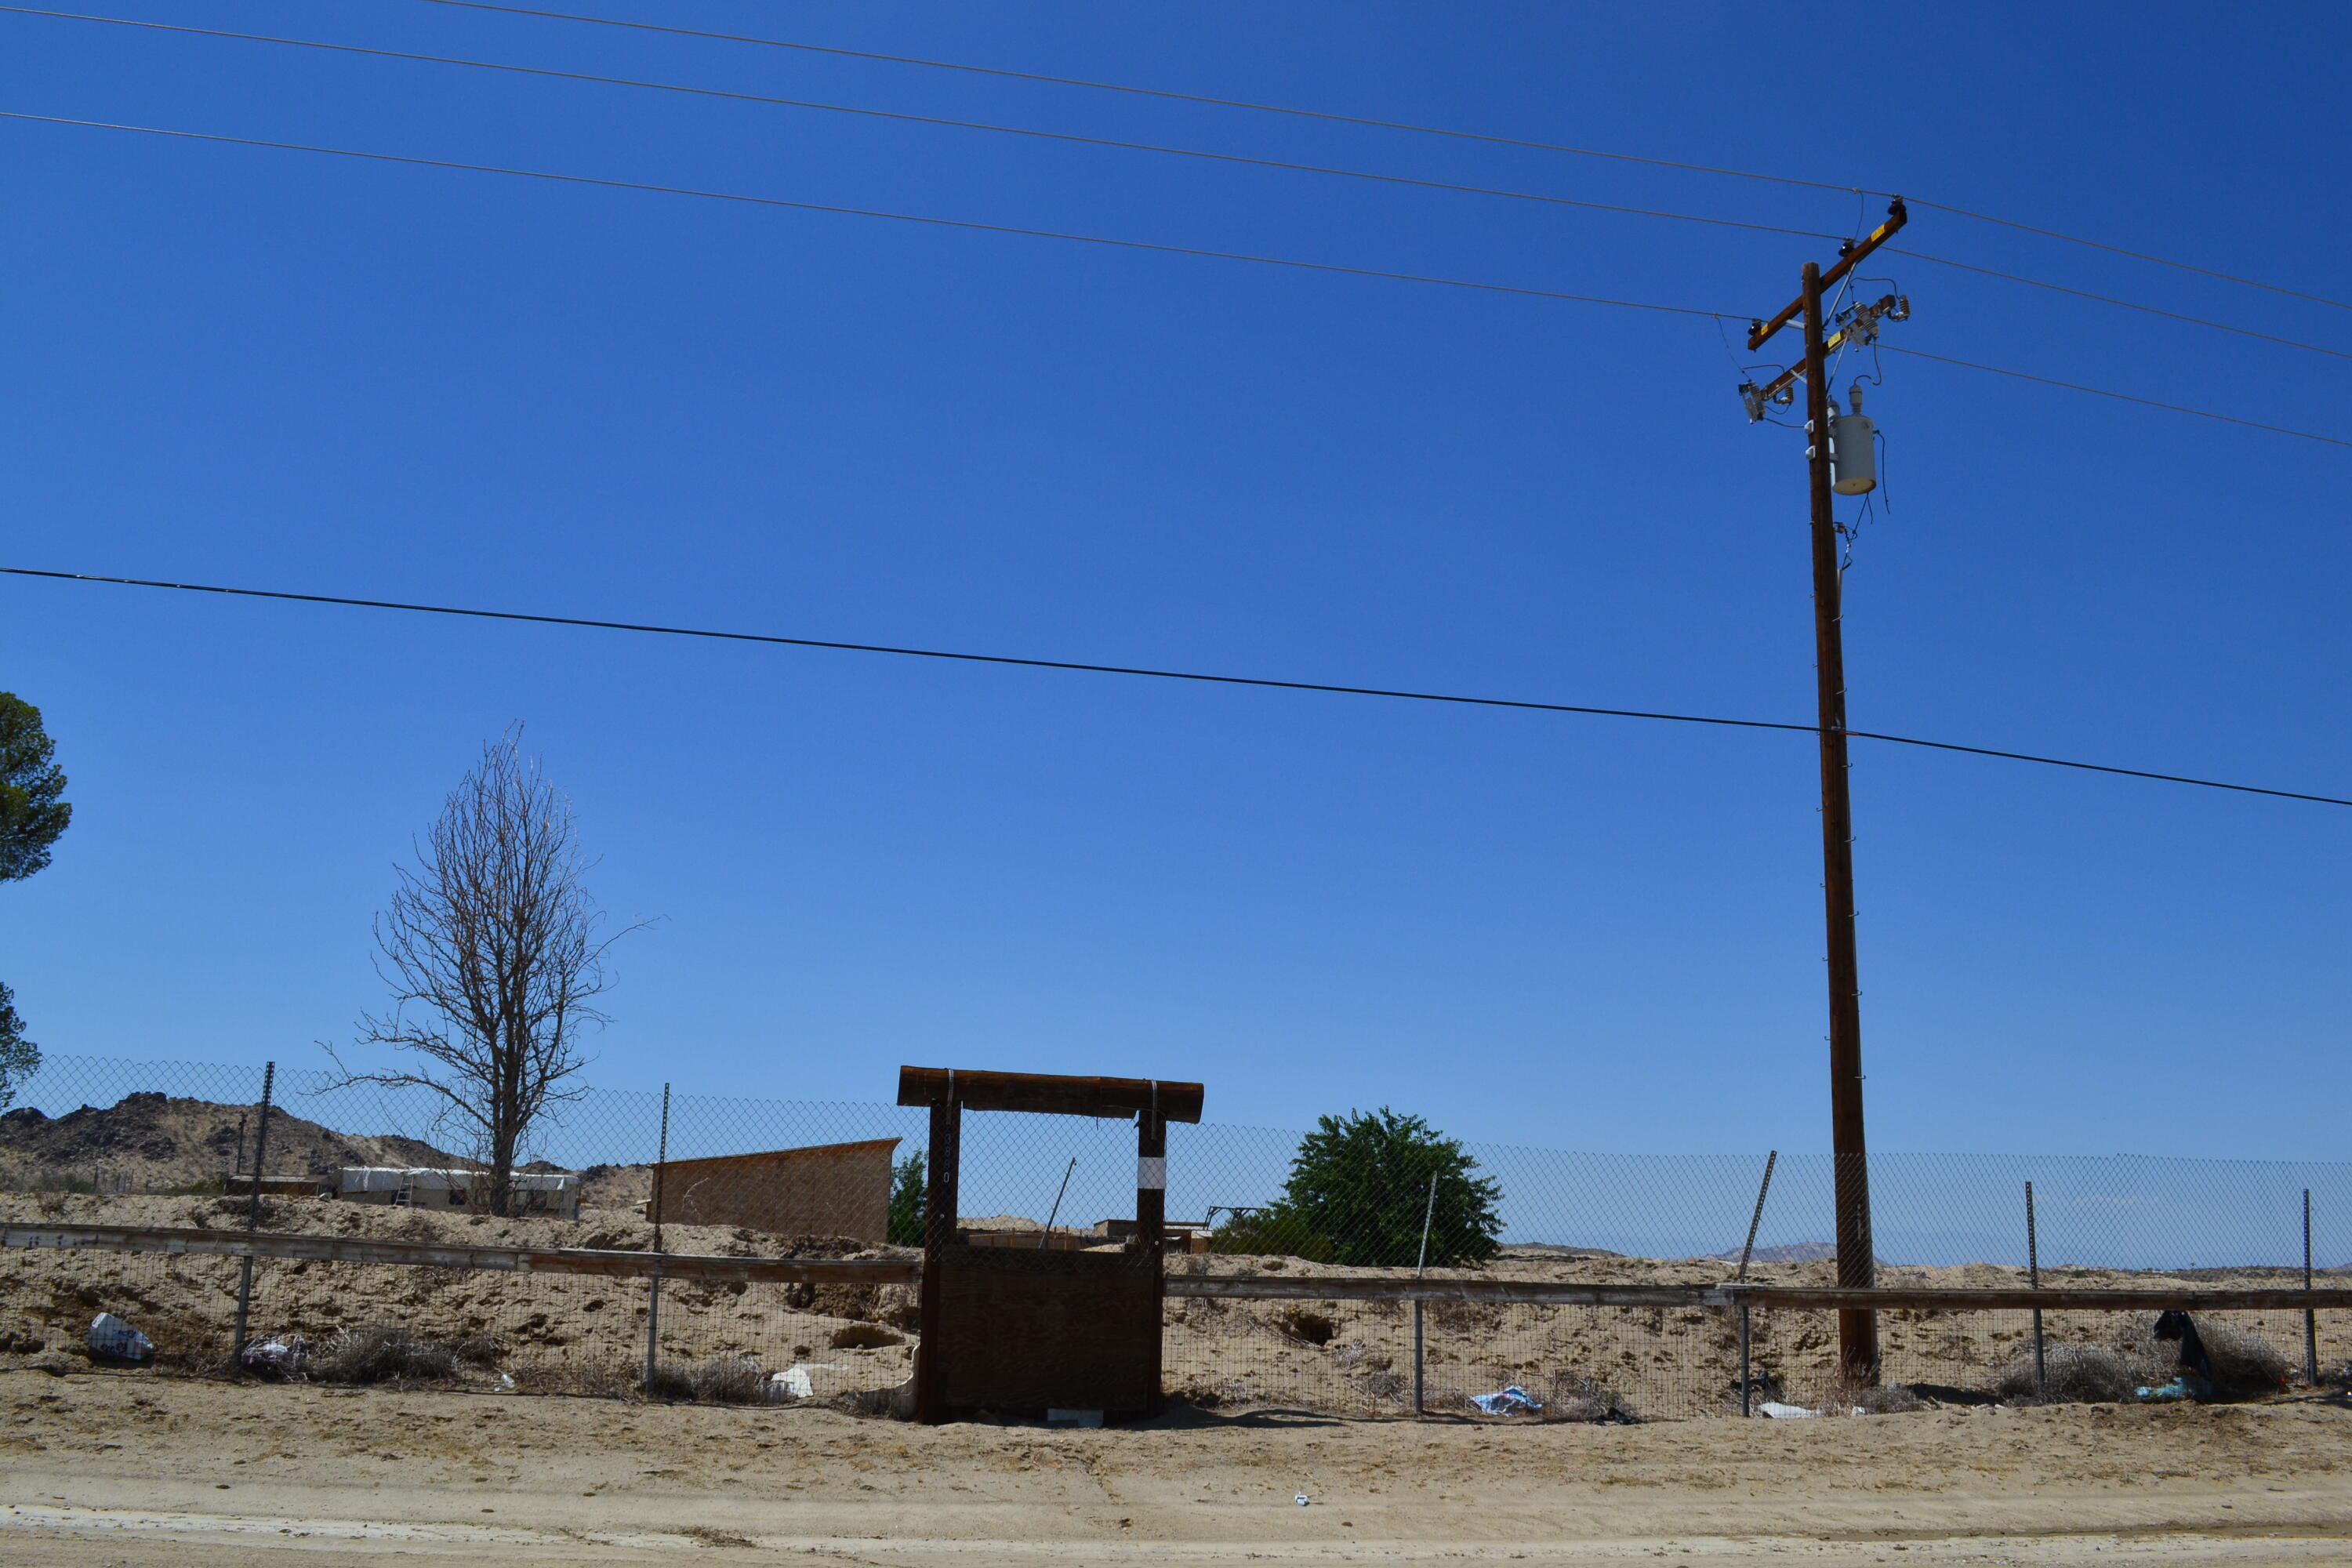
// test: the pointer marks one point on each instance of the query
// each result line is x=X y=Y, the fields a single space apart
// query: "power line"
x=2135 y=255
x=1146 y=672
x=692 y=90
x=2118 y=397
x=1097 y=239
x=1139 y=92
x=871 y=212
x=2111 y=300
x=1377 y=124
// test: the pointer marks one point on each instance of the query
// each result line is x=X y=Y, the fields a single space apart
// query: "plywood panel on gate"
x=1033 y=1330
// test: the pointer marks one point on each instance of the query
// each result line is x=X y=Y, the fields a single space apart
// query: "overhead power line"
x=1146 y=672
x=2111 y=300
x=2135 y=255
x=1377 y=124
x=694 y=91
x=1293 y=263
x=1136 y=92
x=873 y=212
x=2118 y=397
x=1333 y=171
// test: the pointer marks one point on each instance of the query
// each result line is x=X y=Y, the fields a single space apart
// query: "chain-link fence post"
x=2034 y=1280
x=252 y=1219
x=1747 y=1250
x=654 y=1282
x=1428 y=1212
x=2310 y=1317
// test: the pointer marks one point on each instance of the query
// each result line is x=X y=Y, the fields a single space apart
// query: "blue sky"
x=228 y=365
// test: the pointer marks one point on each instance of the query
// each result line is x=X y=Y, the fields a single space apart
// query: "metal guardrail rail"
x=1259 y=1288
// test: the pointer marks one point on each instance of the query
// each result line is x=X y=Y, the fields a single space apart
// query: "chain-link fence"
x=171 y=1146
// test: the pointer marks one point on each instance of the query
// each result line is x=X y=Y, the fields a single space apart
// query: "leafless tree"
x=492 y=949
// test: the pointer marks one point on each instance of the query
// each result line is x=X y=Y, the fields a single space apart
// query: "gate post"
x=942 y=1160
x=1151 y=1224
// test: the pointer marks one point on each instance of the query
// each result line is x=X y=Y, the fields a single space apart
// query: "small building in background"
x=556 y=1193
x=826 y=1189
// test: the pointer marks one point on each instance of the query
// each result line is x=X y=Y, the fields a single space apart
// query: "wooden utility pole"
x=1856 y=1267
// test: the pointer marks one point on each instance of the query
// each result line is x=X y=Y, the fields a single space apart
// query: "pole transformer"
x=1858 y=1359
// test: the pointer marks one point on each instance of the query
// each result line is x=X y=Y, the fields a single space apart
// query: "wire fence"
x=164 y=1144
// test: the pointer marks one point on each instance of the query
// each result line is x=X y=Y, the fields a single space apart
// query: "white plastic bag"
x=110 y=1336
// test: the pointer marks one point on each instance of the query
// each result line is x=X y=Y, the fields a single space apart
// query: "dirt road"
x=99 y=1468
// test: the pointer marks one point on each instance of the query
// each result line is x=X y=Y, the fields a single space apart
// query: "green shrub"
x=1364 y=1182
x=907 y=1197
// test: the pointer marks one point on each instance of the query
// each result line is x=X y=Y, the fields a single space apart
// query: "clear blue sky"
x=226 y=364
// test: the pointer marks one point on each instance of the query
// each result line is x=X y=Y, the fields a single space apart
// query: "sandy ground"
x=129 y=1468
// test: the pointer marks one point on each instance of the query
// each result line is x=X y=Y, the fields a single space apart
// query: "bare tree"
x=493 y=953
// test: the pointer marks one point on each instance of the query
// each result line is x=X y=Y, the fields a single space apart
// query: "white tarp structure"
x=529 y=1192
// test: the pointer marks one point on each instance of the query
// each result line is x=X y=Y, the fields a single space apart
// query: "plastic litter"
x=2188 y=1386
x=1779 y=1412
x=793 y=1382
x=1301 y=1499
x=1511 y=1401
x=110 y=1336
x=284 y=1357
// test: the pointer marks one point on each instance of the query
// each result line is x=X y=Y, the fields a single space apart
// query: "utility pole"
x=1856 y=1269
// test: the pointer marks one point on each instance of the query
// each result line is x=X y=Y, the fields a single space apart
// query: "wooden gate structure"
x=1016 y=1329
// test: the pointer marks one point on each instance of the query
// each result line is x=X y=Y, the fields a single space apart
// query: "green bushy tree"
x=907 y=1180
x=18 y=1056
x=1358 y=1188
x=33 y=809
x=33 y=814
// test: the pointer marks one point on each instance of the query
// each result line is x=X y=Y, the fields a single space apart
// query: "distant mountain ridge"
x=150 y=1141
x=1787 y=1252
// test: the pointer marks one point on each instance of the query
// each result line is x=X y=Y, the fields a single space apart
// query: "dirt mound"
x=154 y=1141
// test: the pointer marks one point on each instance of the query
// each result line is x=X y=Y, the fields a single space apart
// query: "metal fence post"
x=1746 y=1250
x=252 y=1218
x=654 y=1283
x=2033 y=1278
x=1428 y=1212
x=2310 y=1317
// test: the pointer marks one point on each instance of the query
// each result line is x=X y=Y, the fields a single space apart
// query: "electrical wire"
x=1195 y=676
x=1100 y=239
x=2119 y=396
x=872 y=212
x=1156 y=148
x=1136 y=91
x=2135 y=255
x=2111 y=300
x=920 y=120
x=1377 y=124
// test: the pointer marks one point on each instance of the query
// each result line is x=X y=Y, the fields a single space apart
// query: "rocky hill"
x=148 y=1141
